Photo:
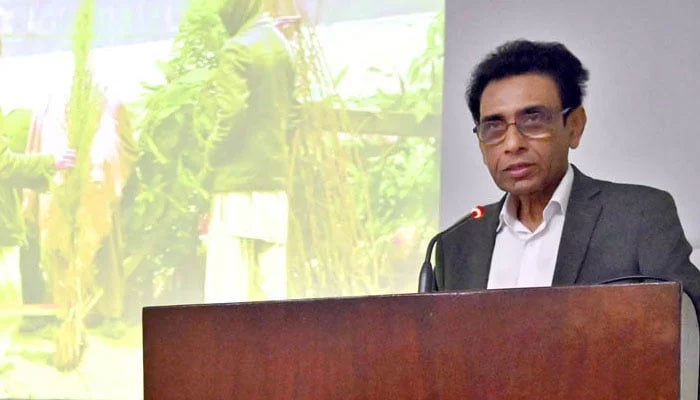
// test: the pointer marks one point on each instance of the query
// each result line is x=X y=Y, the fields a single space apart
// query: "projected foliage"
x=362 y=188
x=163 y=205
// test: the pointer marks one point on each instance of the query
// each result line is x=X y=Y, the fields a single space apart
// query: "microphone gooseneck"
x=426 y=277
x=633 y=278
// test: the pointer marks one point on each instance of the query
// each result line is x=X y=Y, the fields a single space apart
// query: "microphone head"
x=478 y=212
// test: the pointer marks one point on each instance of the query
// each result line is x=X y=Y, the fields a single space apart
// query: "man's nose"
x=513 y=140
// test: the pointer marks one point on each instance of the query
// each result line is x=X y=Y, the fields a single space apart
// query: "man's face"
x=520 y=165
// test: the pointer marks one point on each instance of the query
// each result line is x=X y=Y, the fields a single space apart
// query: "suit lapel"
x=581 y=217
x=482 y=249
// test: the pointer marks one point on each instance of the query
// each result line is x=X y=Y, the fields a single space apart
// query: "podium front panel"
x=581 y=342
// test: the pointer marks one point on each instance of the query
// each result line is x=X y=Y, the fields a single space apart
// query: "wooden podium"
x=580 y=342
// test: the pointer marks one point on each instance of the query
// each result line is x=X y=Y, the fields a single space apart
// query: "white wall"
x=642 y=103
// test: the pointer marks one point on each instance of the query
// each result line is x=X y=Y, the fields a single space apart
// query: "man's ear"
x=576 y=123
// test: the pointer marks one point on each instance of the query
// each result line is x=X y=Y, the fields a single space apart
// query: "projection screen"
x=227 y=150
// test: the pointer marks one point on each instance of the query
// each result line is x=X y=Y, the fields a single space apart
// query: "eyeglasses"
x=532 y=122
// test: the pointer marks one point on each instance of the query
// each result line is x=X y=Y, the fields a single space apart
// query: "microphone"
x=642 y=279
x=426 y=277
x=633 y=278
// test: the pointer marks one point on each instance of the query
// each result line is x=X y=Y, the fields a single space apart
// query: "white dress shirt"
x=524 y=258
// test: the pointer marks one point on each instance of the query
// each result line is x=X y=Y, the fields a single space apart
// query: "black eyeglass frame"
x=564 y=113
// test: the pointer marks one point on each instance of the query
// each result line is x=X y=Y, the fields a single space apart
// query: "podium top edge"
x=450 y=293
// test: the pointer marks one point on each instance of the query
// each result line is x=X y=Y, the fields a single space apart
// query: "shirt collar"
x=557 y=204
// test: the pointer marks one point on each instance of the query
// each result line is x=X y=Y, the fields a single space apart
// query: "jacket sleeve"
x=663 y=248
x=230 y=91
x=24 y=170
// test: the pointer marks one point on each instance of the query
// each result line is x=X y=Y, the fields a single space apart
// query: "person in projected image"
x=247 y=227
x=22 y=282
x=555 y=225
x=110 y=163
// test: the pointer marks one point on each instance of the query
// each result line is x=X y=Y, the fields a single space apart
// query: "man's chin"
x=521 y=187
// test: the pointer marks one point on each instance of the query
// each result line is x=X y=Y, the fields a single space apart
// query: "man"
x=253 y=88
x=555 y=225
x=18 y=171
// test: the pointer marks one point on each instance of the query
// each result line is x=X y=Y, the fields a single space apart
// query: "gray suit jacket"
x=611 y=230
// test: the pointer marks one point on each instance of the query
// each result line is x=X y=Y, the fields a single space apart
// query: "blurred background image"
x=228 y=150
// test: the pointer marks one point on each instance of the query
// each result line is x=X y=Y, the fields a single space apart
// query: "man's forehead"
x=526 y=109
x=514 y=93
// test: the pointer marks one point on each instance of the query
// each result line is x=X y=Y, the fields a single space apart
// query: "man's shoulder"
x=622 y=194
x=470 y=226
x=493 y=209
